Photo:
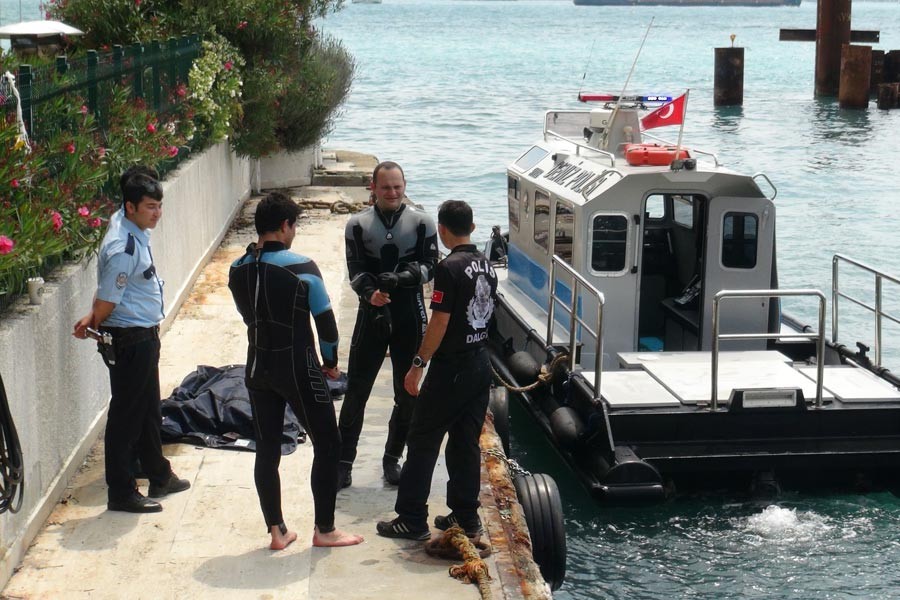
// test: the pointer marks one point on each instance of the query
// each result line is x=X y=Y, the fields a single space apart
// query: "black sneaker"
x=171 y=486
x=399 y=529
x=392 y=470
x=135 y=503
x=473 y=529
x=345 y=476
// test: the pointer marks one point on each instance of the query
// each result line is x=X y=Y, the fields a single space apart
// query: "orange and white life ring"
x=655 y=155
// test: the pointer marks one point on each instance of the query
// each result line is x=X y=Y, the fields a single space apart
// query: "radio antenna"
x=627 y=79
x=584 y=75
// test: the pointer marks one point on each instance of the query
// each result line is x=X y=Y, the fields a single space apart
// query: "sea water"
x=455 y=90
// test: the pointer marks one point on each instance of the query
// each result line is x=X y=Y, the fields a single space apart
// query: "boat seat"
x=632 y=389
x=854 y=384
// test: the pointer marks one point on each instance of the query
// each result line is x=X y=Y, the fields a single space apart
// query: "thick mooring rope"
x=473 y=569
x=545 y=376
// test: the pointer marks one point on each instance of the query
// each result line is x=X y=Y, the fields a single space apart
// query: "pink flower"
x=84 y=211
x=137 y=2
x=6 y=245
x=14 y=183
x=151 y=127
x=242 y=25
x=84 y=109
x=57 y=221
x=70 y=148
x=95 y=222
x=228 y=65
x=101 y=151
x=181 y=91
x=173 y=151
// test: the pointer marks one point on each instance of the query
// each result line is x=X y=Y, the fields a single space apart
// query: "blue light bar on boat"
x=588 y=97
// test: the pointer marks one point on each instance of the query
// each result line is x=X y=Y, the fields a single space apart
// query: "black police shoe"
x=345 y=476
x=171 y=486
x=391 y=468
x=473 y=529
x=135 y=503
x=398 y=528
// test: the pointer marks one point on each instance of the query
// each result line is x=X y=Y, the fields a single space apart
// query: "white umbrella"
x=38 y=29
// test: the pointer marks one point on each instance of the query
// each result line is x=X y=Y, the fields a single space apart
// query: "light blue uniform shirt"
x=129 y=280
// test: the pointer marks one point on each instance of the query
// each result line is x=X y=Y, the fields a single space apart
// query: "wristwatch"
x=418 y=362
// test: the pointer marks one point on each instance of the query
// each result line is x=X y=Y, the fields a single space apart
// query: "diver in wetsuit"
x=276 y=291
x=391 y=252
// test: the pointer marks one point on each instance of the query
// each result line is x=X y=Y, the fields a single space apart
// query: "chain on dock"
x=545 y=376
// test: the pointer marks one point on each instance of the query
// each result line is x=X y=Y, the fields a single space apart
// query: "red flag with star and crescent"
x=671 y=113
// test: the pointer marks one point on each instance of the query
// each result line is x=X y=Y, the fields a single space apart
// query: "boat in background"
x=687 y=2
x=639 y=279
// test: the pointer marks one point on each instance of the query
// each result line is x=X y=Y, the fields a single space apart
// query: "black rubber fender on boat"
x=539 y=497
x=523 y=367
x=499 y=407
x=567 y=427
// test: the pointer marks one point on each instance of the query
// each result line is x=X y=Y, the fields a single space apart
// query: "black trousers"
x=373 y=334
x=304 y=388
x=133 y=424
x=453 y=401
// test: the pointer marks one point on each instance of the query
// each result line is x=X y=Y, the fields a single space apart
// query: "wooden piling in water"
x=832 y=32
x=892 y=66
x=888 y=95
x=856 y=71
x=729 y=77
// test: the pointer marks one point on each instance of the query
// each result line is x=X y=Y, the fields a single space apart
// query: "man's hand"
x=379 y=298
x=80 y=329
x=331 y=372
x=412 y=379
x=388 y=281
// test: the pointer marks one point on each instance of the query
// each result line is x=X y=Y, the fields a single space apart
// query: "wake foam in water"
x=787 y=525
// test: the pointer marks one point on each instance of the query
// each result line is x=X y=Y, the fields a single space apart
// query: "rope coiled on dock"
x=473 y=568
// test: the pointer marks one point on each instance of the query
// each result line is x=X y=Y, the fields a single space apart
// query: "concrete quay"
x=211 y=541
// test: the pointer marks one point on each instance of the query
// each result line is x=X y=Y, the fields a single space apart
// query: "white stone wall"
x=57 y=386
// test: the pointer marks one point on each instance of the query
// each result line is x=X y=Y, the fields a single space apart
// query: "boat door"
x=739 y=249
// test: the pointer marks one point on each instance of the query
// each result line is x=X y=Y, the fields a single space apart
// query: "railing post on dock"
x=878 y=320
x=24 y=82
x=92 y=61
x=729 y=77
x=856 y=71
x=835 y=296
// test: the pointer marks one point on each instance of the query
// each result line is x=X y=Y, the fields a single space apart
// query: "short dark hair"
x=139 y=186
x=273 y=210
x=386 y=165
x=456 y=216
x=131 y=172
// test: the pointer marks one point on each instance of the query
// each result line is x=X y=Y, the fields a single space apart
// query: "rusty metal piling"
x=832 y=32
x=729 y=77
x=856 y=71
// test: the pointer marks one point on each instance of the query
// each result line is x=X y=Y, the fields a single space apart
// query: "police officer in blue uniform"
x=128 y=307
x=454 y=397
x=276 y=291
x=391 y=251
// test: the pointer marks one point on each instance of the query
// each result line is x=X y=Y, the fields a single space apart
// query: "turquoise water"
x=455 y=90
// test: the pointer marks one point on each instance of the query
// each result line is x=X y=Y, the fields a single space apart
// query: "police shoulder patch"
x=121 y=280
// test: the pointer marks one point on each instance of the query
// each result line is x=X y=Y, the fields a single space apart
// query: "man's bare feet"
x=281 y=539
x=335 y=538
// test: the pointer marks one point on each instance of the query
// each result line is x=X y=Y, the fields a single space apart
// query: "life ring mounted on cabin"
x=657 y=155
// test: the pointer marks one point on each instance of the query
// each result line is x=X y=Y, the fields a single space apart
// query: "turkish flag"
x=671 y=113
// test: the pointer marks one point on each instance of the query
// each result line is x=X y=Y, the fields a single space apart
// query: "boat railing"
x=880 y=314
x=692 y=149
x=574 y=319
x=581 y=145
x=818 y=336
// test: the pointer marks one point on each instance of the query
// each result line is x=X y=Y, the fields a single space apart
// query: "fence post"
x=137 y=55
x=92 y=61
x=25 y=97
x=117 y=56
x=184 y=61
x=62 y=64
x=155 y=51
x=172 y=62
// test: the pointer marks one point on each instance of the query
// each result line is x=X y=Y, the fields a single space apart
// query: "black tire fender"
x=541 y=503
x=499 y=407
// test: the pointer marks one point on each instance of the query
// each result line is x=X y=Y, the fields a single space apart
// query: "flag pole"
x=627 y=79
x=681 y=128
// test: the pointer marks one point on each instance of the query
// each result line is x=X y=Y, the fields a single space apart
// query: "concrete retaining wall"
x=58 y=387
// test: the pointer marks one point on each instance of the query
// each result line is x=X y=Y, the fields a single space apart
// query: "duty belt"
x=129 y=336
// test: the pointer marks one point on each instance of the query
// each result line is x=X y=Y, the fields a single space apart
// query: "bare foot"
x=336 y=538
x=280 y=541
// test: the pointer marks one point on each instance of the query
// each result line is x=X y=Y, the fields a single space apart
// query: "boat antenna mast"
x=625 y=87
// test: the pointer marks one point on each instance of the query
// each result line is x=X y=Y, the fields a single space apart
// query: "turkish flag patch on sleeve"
x=437 y=297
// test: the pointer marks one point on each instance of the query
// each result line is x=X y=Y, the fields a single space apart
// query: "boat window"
x=542 y=219
x=512 y=196
x=564 y=231
x=739 y=240
x=656 y=207
x=684 y=211
x=609 y=237
x=531 y=158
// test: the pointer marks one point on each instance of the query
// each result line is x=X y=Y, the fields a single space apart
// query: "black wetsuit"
x=405 y=243
x=276 y=291
x=454 y=396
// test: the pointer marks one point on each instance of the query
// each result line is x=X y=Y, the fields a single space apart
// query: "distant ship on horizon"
x=687 y=2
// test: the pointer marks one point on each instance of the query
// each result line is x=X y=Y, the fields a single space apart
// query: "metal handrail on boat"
x=574 y=319
x=819 y=336
x=692 y=149
x=880 y=314
x=579 y=145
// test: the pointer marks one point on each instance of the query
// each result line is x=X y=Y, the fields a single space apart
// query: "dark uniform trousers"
x=453 y=401
x=134 y=419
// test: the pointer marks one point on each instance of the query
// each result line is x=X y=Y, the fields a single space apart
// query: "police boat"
x=639 y=322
